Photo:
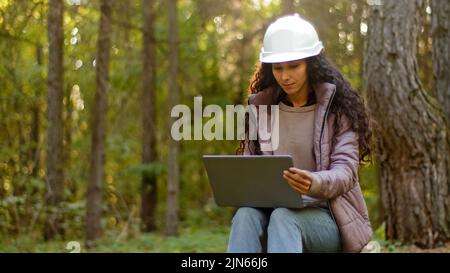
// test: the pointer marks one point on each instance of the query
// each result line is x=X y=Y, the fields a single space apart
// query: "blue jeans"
x=310 y=229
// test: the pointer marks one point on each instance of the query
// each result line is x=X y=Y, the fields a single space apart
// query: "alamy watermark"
x=263 y=124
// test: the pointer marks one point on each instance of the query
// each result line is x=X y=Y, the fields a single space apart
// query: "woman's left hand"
x=299 y=180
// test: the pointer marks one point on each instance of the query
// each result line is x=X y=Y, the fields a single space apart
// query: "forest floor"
x=190 y=240
x=399 y=248
x=210 y=240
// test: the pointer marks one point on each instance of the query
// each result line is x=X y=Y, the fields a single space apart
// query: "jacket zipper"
x=323 y=125
x=320 y=150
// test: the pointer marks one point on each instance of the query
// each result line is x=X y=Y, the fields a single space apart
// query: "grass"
x=203 y=231
x=190 y=240
x=208 y=239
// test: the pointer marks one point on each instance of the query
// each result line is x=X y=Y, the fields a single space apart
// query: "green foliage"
x=379 y=233
x=368 y=176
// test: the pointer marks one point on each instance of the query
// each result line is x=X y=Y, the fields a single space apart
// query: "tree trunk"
x=127 y=13
x=36 y=123
x=68 y=125
x=149 y=186
x=173 y=172
x=243 y=81
x=71 y=184
x=287 y=7
x=440 y=28
x=413 y=147
x=94 y=198
x=55 y=176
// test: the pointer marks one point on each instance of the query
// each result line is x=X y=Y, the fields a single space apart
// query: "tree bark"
x=413 y=142
x=70 y=185
x=440 y=28
x=127 y=12
x=149 y=155
x=287 y=7
x=94 y=198
x=36 y=123
x=55 y=176
x=173 y=172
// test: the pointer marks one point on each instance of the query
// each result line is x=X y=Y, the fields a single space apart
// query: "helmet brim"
x=269 y=57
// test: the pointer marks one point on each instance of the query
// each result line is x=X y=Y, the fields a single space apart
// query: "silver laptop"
x=251 y=181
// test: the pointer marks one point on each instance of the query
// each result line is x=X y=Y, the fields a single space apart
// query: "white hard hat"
x=290 y=38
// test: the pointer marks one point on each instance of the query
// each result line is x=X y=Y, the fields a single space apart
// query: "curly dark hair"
x=346 y=100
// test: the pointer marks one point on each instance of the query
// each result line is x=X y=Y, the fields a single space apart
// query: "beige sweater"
x=296 y=125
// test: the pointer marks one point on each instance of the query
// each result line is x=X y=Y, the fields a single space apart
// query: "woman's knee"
x=282 y=218
x=280 y=215
x=248 y=215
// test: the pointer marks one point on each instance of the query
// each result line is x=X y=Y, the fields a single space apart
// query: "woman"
x=323 y=125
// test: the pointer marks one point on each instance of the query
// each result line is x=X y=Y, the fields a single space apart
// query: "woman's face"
x=291 y=76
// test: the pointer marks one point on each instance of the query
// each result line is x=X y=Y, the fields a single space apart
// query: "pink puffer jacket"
x=336 y=176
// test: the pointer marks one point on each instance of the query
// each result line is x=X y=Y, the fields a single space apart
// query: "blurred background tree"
x=55 y=167
x=98 y=125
